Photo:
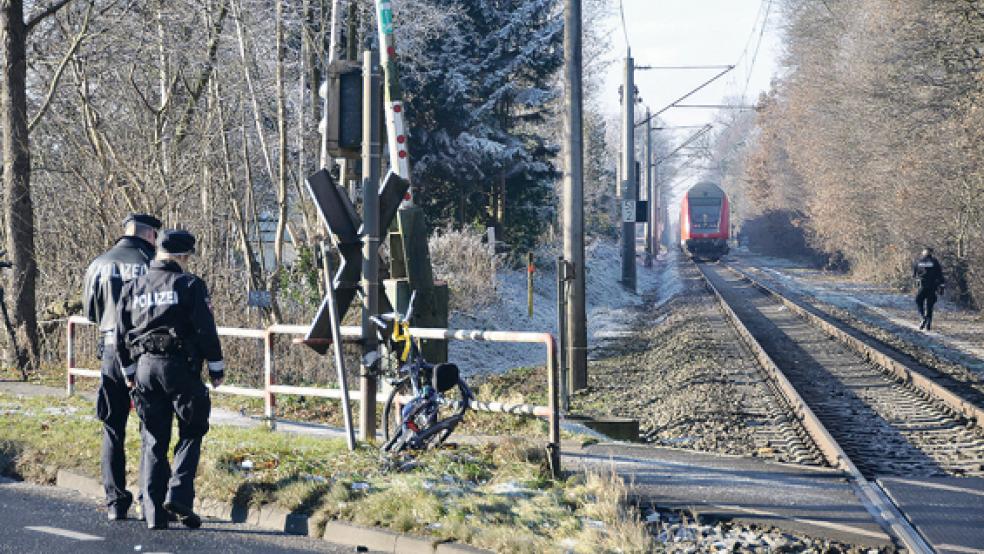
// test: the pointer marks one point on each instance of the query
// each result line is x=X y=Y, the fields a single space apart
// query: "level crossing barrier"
x=271 y=388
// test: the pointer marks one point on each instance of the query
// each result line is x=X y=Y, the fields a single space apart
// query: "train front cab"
x=704 y=222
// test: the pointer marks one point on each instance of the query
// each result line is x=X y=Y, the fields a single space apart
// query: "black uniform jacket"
x=106 y=275
x=167 y=299
x=929 y=272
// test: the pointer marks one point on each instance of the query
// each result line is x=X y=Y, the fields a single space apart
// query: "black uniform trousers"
x=169 y=386
x=113 y=409
x=925 y=300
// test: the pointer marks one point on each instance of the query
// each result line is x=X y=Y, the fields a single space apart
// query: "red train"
x=704 y=222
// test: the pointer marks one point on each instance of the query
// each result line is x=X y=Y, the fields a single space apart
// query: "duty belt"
x=157 y=343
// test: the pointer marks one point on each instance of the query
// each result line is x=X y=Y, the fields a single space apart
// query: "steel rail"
x=891 y=366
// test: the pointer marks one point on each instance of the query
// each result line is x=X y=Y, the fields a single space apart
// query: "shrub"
x=461 y=258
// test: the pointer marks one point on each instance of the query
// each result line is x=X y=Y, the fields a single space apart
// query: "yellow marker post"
x=529 y=283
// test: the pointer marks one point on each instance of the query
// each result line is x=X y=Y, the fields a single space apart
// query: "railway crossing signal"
x=341 y=124
x=338 y=215
x=350 y=128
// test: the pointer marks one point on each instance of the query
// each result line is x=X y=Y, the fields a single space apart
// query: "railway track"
x=963 y=383
x=867 y=412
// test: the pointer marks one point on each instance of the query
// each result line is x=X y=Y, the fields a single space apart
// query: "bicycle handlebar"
x=381 y=319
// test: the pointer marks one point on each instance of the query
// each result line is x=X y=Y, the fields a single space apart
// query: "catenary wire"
x=625 y=31
x=758 y=46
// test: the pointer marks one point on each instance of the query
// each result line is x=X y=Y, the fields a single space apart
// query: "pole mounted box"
x=628 y=211
x=635 y=211
x=342 y=121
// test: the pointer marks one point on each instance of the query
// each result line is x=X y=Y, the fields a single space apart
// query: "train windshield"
x=705 y=214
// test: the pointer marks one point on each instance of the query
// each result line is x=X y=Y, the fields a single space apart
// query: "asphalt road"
x=50 y=520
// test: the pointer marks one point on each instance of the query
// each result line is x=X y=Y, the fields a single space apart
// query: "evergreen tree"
x=477 y=111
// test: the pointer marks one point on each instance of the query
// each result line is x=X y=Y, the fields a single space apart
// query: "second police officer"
x=164 y=331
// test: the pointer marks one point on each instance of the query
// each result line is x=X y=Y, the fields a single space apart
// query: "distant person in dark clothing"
x=929 y=272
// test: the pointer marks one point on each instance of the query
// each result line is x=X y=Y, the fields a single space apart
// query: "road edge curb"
x=275 y=518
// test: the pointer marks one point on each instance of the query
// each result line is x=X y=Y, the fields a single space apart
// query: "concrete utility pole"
x=650 y=199
x=629 y=177
x=655 y=205
x=371 y=107
x=573 y=202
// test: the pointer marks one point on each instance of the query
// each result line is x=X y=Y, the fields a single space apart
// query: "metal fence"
x=271 y=387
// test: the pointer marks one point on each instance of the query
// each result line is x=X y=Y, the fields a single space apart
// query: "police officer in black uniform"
x=104 y=281
x=164 y=331
x=929 y=272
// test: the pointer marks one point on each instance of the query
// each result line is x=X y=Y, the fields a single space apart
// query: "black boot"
x=117 y=512
x=139 y=515
x=922 y=325
x=159 y=521
x=185 y=515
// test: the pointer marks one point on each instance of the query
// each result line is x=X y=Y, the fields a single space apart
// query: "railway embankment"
x=674 y=363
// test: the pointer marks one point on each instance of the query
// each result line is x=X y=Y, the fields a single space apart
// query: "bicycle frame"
x=426 y=400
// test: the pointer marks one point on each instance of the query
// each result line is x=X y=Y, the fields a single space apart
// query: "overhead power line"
x=751 y=34
x=687 y=142
x=625 y=32
x=688 y=95
x=716 y=106
x=758 y=45
x=675 y=67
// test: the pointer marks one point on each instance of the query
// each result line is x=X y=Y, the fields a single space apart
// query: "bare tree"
x=872 y=134
x=18 y=207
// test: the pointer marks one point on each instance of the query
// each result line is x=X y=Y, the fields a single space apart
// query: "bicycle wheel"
x=445 y=426
x=392 y=418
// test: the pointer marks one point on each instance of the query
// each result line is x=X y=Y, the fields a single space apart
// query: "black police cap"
x=143 y=219
x=176 y=241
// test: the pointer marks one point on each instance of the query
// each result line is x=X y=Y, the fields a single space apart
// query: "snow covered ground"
x=608 y=308
x=957 y=335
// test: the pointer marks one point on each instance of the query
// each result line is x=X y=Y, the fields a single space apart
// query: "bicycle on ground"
x=419 y=413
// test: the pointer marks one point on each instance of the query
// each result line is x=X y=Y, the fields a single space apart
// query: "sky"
x=694 y=32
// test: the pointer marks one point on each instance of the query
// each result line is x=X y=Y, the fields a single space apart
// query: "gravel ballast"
x=685 y=374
